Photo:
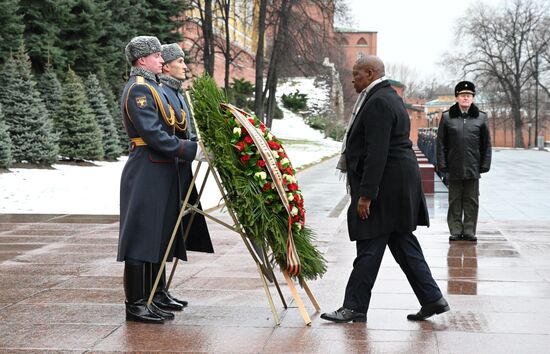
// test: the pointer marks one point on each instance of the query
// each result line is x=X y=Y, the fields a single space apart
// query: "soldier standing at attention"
x=149 y=182
x=463 y=154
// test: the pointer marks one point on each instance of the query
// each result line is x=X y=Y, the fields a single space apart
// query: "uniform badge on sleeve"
x=141 y=101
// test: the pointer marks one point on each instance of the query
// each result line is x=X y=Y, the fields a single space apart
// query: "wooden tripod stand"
x=258 y=253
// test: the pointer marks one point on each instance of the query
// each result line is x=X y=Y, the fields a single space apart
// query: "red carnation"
x=297 y=199
x=288 y=171
x=292 y=187
x=244 y=159
x=279 y=165
x=266 y=187
x=261 y=163
x=251 y=120
x=240 y=146
x=273 y=145
x=248 y=140
x=262 y=127
x=244 y=131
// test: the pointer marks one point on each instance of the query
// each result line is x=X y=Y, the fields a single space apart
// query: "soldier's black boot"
x=136 y=302
x=149 y=280
x=163 y=298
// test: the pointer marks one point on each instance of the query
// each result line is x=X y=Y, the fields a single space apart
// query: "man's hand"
x=363 y=208
x=200 y=155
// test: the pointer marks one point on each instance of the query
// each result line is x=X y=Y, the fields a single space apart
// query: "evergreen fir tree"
x=25 y=114
x=43 y=21
x=104 y=119
x=79 y=133
x=5 y=143
x=128 y=19
x=51 y=90
x=162 y=14
x=83 y=29
x=11 y=28
x=113 y=104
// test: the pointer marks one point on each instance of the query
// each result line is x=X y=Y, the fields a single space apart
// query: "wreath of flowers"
x=256 y=167
x=249 y=189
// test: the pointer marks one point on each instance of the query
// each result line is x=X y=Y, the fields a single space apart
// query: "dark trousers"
x=463 y=201
x=407 y=253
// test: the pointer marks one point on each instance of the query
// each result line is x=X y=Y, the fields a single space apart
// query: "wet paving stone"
x=140 y=337
x=7 y=239
x=99 y=314
x=77 y=296
x=39 y=337
x=62 y=289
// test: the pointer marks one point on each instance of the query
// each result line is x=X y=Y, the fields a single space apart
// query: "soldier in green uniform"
x=149 y=197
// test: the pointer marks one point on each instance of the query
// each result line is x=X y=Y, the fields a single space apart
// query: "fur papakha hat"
x=171 y=52
x=465 y=87
x=141 y=46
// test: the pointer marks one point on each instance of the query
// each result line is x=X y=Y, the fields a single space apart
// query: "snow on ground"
x=95 y=189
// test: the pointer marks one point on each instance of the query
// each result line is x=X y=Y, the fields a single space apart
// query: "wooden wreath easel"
x=259 y=254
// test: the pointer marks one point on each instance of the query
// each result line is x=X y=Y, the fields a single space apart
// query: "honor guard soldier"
x=173 y=75
x=149 y=197
x=171 y=80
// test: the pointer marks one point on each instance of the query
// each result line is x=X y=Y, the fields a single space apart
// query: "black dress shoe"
x=455 y=238
x=140 y=312
x=161 y=313
x=429 y=310
x=470 y=238
x=344 y=315
x=164 y=301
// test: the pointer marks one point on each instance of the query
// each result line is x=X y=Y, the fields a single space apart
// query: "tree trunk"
x=271 y=100
x=518 y=124
x=227 y=54
x=494 y=128
x=278 y=47
x=208 y=35
x=259 y=85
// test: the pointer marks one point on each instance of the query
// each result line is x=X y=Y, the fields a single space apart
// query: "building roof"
x=414 y=107
x=352 y=30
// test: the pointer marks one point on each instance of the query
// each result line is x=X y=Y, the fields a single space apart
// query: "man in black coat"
x=463 y=153
x=149 y=182
x=387 y=202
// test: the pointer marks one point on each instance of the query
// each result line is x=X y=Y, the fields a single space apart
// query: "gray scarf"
x=170 y=81
x=139 y=71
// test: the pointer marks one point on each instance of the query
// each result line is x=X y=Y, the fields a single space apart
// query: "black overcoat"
x=382 y=166
x=463 y=143
x=149 y=182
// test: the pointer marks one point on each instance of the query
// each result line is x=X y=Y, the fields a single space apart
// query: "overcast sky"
x=413 y=32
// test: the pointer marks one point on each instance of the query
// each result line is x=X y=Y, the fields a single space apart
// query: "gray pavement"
x=62 y=290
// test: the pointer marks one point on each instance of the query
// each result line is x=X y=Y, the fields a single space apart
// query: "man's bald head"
x=371 y=62
x=366 y=70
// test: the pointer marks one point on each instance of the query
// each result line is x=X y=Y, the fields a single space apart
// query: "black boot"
x=163 y=298
x=149 y=280
x=136 y=302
